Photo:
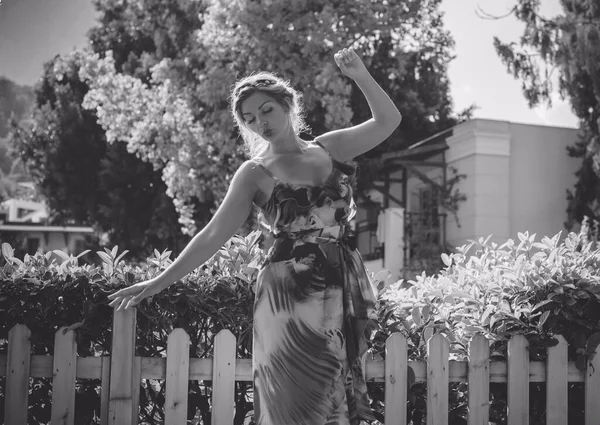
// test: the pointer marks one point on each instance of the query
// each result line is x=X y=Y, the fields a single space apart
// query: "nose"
x=262 y=124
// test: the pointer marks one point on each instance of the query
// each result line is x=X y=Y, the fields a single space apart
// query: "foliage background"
x=133 y=134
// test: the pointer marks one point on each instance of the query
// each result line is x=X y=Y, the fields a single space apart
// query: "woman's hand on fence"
x=131 y=296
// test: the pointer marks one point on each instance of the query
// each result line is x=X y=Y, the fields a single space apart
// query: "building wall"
x=541 y=173
x=516 y=179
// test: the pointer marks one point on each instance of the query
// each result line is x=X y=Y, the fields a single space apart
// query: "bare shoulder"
x=252 y=180
x=249 y=173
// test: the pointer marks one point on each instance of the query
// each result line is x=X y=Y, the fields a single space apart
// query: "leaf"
x=486 y=315
x=446 y=259
x=416 y=316
x=592 y=344
x=17 y=261
x=105 y=257
x=541 y=304
x=544 y=317
x=7 y=251
x=83 y=253
x=121 y=256
x=449 y=299
x=61 y=254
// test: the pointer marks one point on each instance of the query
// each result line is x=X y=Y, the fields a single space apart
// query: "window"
x=22 y=212
x=428 y=203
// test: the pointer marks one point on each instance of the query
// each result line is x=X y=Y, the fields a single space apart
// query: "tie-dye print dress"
x=313 y=300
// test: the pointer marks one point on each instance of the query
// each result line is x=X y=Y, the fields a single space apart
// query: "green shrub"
x=45 y=294
x=537 y=289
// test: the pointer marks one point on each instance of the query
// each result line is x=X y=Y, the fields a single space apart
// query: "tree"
x=567 y=43
x=178 y=118
x=85 y=180
x=15 y=102
x=88 y=180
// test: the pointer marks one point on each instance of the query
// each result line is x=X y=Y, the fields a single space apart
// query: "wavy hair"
x=281 y=91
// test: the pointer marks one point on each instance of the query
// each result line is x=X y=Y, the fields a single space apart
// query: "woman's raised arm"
x=348 y=143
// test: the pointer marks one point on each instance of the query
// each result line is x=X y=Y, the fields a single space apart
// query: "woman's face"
x=264 y=115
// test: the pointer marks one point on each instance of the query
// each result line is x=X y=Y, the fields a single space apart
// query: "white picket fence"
x=120 y=376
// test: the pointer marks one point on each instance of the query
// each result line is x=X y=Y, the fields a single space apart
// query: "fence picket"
x=592 y=390
x=178 y=371
x=437 y=380
x=104 y=390
x=121 y=403
x=136 y=380
x=479 y=381
x=557 y=384
x=518 y=381
x=63 y=380
x=396 y=378
x=17 y=375
x=223 y=378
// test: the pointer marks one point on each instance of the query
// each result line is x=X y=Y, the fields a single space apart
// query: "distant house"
x=516 y=178
x=23 y=222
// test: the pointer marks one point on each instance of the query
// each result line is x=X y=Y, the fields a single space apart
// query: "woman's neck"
x=288 y=144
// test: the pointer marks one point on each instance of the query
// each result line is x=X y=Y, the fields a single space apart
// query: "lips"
x=267 y=132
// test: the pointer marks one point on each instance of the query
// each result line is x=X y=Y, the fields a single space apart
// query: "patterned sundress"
x=313 y=300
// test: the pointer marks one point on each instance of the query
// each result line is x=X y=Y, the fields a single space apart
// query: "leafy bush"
x=46 y=294
x=537 y=289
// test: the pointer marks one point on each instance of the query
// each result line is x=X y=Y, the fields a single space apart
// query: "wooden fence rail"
x=121 y=373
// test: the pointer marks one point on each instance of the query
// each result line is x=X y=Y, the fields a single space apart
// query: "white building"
x=516 y=179
x=25 y=221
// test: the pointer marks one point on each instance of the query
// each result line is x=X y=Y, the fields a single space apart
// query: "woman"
x=313 y=295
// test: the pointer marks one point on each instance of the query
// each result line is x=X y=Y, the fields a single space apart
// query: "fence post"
x=121 y=404
x=592 y=390
x=557 y=384
x=63 y=377
x=518 y=381
x=438 y=376
x=223 y=378
x=178 y=375
x=479 y=381
x=18 y=367
x=396 y=379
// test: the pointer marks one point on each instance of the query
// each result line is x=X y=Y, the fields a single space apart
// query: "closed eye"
x=265 y=111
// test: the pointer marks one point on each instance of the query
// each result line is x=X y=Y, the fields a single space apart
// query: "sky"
x=34 y=31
